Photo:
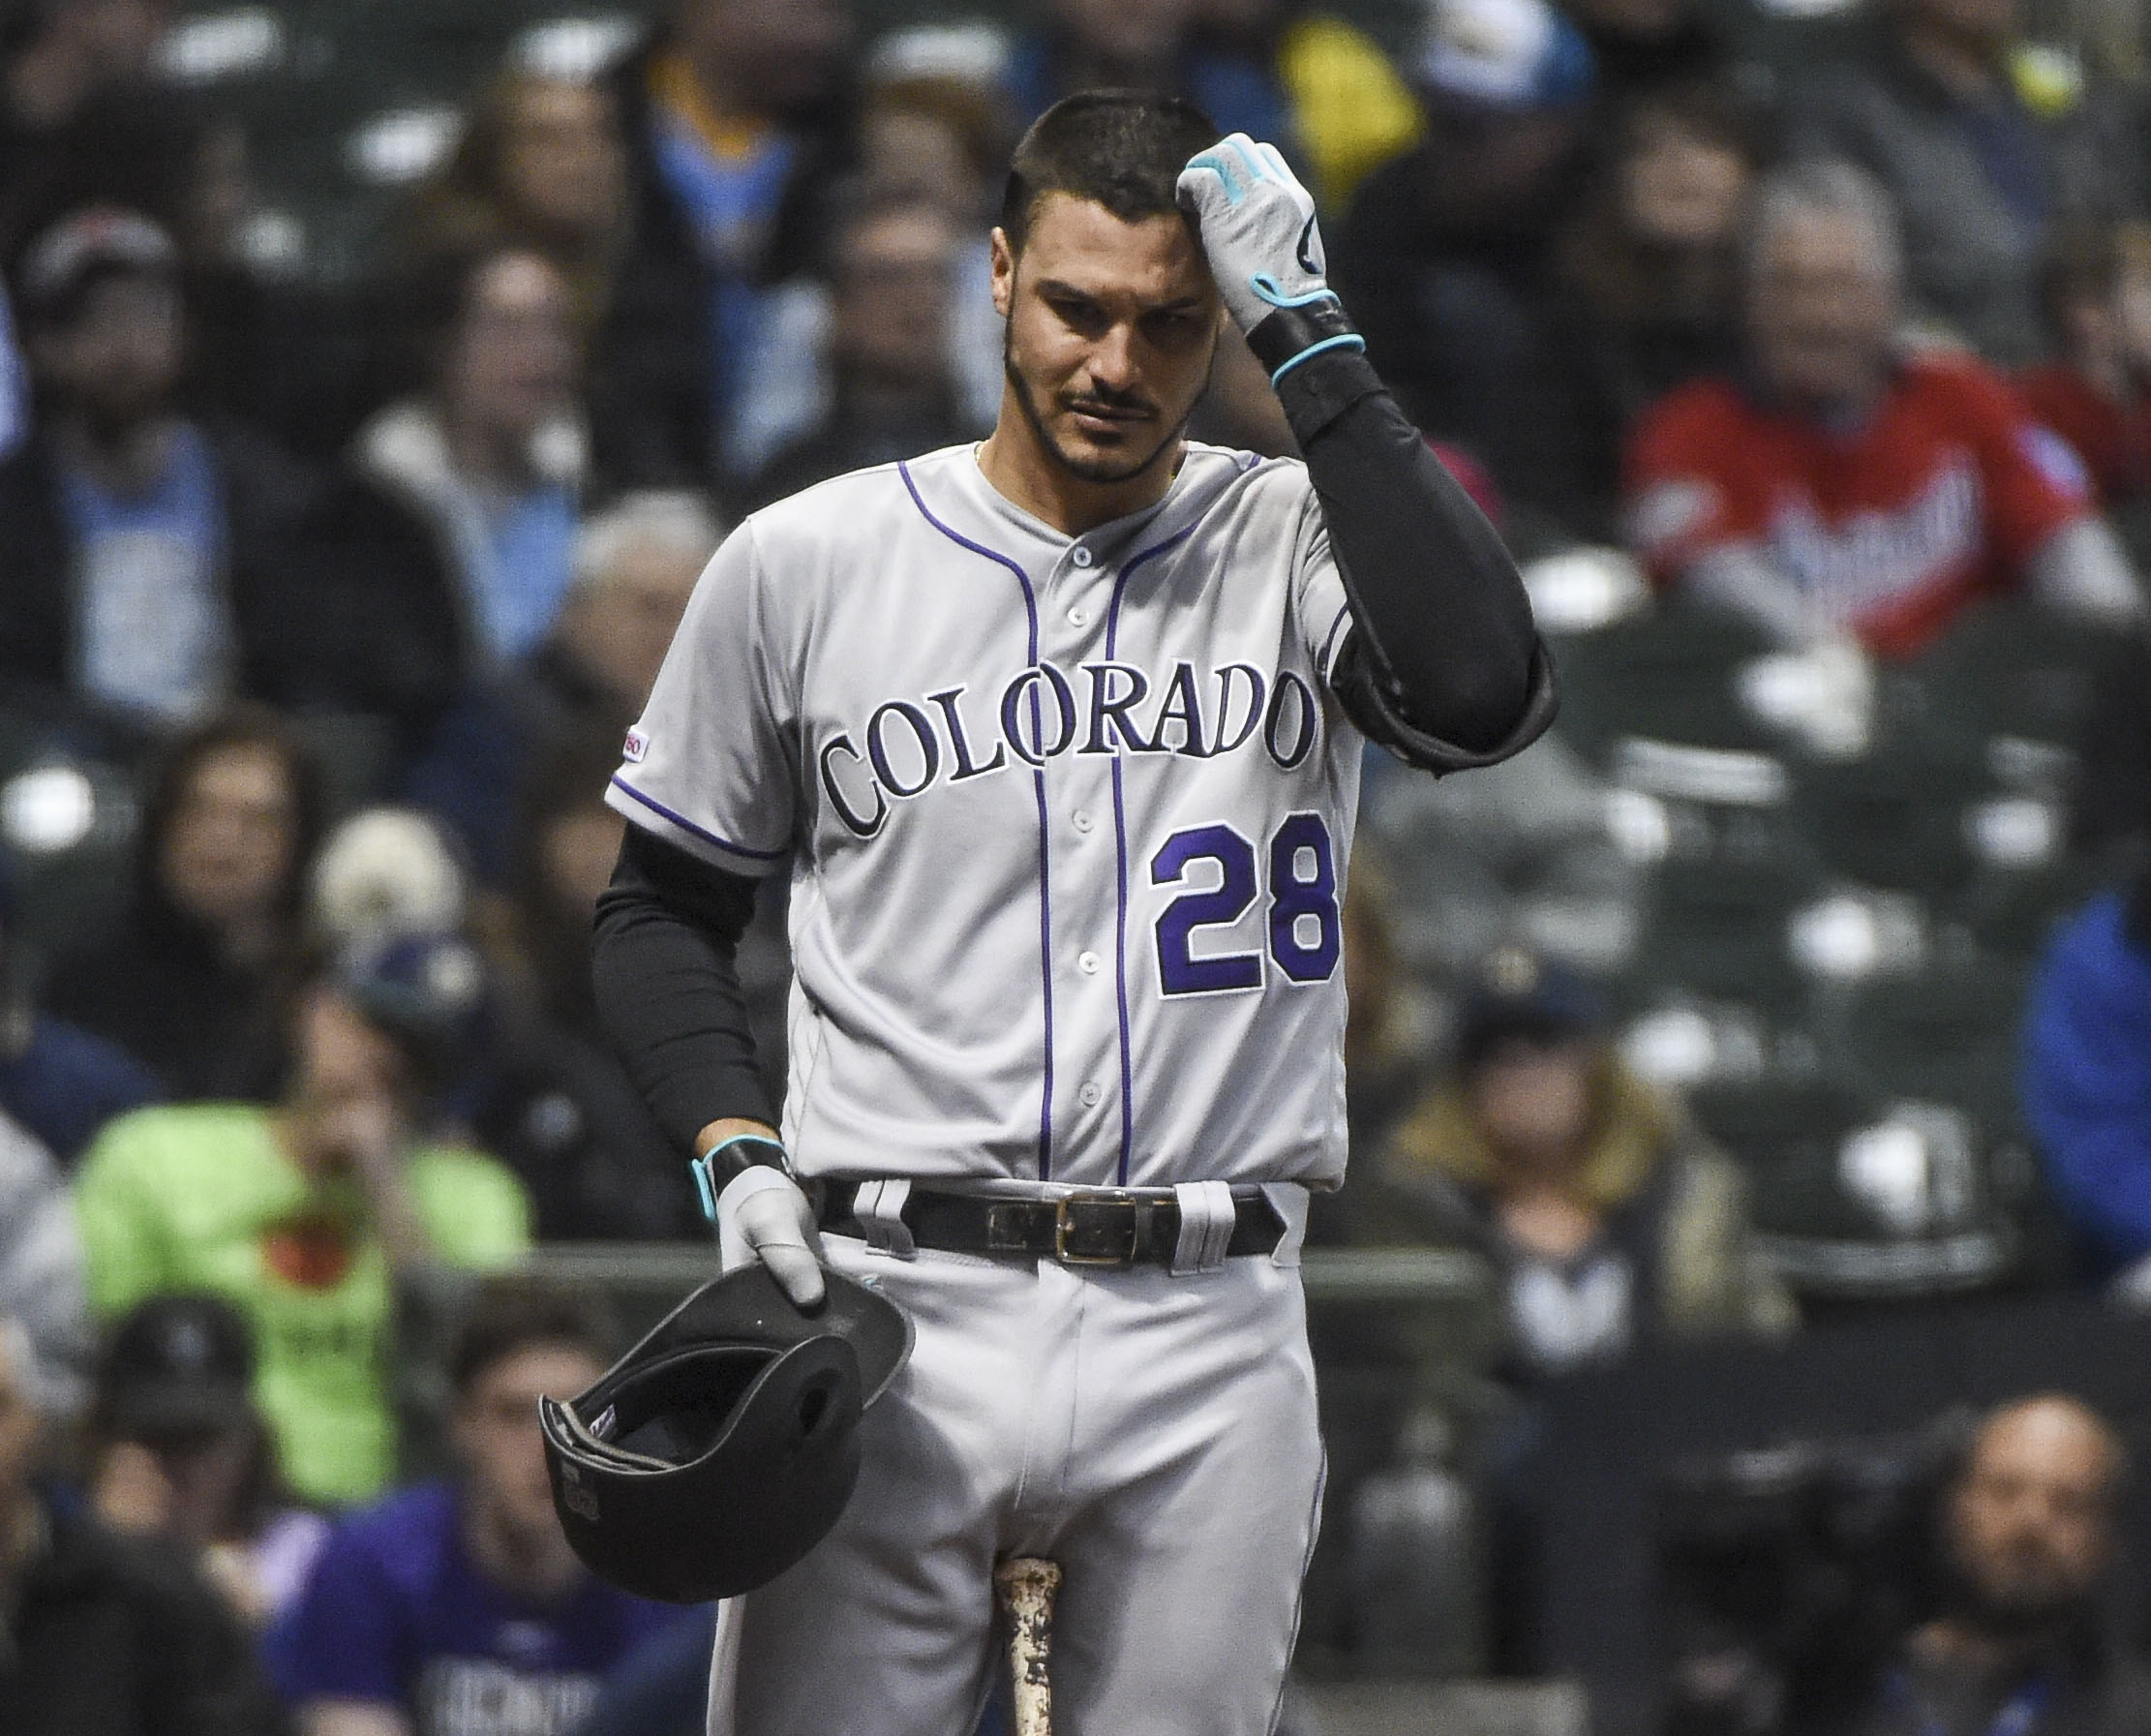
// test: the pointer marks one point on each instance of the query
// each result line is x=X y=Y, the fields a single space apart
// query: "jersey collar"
x=1204 y=472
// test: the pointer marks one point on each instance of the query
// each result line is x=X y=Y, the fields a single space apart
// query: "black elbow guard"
x=1372 y=703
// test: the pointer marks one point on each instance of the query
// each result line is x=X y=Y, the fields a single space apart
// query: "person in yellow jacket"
x=304 y=1214
x=1608 y=1219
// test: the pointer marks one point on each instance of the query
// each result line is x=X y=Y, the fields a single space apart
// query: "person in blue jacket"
x=2087 y=1073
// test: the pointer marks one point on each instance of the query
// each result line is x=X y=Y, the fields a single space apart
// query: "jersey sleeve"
x=1685 y=495
x=706 y=767
x=1320 y=609
x=2033 y=481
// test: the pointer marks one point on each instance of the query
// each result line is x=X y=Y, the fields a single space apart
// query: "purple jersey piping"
x=1037 y=780
x=1120 y=858
x=686 y=825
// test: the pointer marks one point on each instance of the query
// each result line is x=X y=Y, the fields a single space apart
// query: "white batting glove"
x=1265 y=252
x=762 y=1216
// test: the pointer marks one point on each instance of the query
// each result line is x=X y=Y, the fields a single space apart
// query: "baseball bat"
x=1025 y=1585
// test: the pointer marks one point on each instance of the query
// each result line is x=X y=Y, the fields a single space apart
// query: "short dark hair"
x=1123 y=148
x=510 y=1314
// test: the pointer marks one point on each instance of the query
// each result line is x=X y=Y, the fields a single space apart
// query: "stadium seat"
x=1900 y=817
x=2015 y=670
x=1718 y=929
x=1946 y=1035
x=1667 y=673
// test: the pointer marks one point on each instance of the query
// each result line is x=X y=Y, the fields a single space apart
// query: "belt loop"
x=879 y=1208
x=1289 y=1200
x=1207 y=1216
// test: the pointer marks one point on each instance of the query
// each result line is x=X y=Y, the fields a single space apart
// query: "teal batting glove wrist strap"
x=1286 y=336
x=725 y=1162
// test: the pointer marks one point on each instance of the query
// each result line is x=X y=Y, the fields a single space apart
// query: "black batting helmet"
x=725 y=1446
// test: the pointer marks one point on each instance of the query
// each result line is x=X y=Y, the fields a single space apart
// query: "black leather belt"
x=1101 y=1227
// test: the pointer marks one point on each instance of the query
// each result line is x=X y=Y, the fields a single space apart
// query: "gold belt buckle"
x=1080 y=1243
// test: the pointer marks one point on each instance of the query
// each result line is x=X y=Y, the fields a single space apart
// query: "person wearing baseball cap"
x=1607 y=1218
x=155 y=565
x=304 y=1214
x=98 y=1632
x=181 y=1453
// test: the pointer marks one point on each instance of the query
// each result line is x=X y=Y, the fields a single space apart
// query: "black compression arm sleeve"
x=668 y=988
x=1446 y=654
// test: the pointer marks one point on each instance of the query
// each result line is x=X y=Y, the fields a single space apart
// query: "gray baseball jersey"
x=1068 y=819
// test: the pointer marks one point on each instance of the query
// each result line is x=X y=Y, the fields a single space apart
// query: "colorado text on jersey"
x=906 y=748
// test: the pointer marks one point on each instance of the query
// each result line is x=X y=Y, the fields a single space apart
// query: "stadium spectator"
x=1348 y=108
x=2027 y=1540
x=385 y=874
x=938 y=138
x=1982 y=152
x=57 y=1080
x=2095 y=395
x=1649 y=267
x=1840 y=491
x=1141 y=44
x=662 y=1687
x=1446 y=256
x=150 y=566
x=893 y=391
x=179 y=1451
x=551 y=1098
x=1644 y=47
x=2086 y=1087
x=737 y=130
x=14 y=383
x=524 y=1079
x=41 y=1269
x=268 y=349
x=1608 y=1221
x=636 y=564
x=307 y=1214
x=56 y=59
x=539 y=164
x=462 y=1594
x=490 y=454
x=191 y=982
x=104 y=1635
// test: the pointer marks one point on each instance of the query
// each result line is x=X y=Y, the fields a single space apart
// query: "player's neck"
x=1021 y=469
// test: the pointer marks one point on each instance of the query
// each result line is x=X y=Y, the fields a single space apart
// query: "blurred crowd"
x=1802 y=354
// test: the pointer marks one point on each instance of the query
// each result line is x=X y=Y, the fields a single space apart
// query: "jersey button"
x=1080 y=555
x=1089 y=1096
x=1080 y=615
x=1081 y=821
x=1089 y=963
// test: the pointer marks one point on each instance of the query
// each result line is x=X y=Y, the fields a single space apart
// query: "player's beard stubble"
x=1087 y=470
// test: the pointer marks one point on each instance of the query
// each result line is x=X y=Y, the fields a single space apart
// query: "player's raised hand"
x=762 y=1215
x=1266 y=251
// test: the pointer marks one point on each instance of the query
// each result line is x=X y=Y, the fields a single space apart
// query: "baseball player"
x=1059 y=737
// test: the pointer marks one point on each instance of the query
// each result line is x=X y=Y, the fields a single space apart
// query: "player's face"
x=1112 y=327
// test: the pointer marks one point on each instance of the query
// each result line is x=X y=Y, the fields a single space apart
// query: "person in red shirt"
x=1844 y=493
x=2097 y=395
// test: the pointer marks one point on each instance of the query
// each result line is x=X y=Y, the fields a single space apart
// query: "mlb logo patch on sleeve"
x=635 y=746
